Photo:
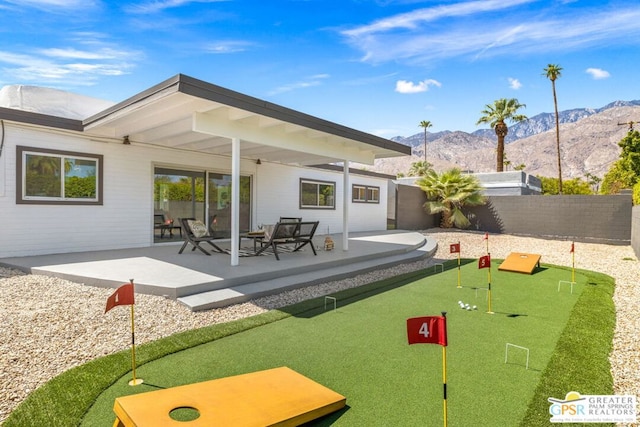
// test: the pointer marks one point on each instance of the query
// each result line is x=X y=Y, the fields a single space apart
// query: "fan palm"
x=496 y=115
x=448 y=192
x=425 y=124
x=553 y=72
x=419 y=168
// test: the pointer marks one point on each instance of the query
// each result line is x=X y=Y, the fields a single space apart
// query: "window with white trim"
x=359 y=193
x=317 y=194
x=46 y=176
x=365 y=194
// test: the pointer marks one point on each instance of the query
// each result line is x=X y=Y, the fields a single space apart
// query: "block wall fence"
x=583 y=218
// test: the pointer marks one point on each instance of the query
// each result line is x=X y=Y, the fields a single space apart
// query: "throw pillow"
x=197 y=228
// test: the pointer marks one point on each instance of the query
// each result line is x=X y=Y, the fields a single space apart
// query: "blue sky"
x=380 y=66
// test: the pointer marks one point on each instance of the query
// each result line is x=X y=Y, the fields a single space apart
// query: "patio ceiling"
x=189 y=114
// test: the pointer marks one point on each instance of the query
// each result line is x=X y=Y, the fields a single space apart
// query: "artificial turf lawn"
x=361 y=351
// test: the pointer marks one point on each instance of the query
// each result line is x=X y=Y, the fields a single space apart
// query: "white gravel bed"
x=51 y=325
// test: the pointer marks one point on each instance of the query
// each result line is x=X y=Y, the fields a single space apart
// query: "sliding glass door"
x=219 y=192
x=196 y=194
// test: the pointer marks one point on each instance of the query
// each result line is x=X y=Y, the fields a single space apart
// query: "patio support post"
x=346 y=201
x=235 y=201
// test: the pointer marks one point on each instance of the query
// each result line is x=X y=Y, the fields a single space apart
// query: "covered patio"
x=192 y=116
x=203 y=282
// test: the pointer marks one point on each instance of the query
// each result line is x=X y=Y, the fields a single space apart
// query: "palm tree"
x=496 y=114
x=448 y=192
x=553 y=72
x=425 y=124
x=419 y=168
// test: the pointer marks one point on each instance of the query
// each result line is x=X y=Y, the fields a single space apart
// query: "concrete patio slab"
x=202 y=282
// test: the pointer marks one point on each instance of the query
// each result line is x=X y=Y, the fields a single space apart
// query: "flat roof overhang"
x=189 y=114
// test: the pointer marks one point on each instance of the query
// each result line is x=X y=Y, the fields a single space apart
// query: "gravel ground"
x=51 y=325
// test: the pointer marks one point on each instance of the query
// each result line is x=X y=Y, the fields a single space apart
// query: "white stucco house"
x=182 y=148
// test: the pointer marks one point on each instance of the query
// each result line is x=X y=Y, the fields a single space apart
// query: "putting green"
x=360 y=350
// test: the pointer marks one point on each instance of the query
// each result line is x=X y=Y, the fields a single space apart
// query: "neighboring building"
x=69 y=184
x=512 y=183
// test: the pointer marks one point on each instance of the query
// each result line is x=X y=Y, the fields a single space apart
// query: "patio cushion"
x=197 y=228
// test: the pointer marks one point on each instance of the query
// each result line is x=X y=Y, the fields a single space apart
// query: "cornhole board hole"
x=520 y=263
x=274 y=397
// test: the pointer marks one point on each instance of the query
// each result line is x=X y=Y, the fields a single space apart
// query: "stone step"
x=242 y=293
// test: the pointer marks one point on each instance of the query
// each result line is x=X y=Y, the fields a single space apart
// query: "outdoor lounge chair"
x=298 y=234
x=196 y=238
x=163 y=222
x=289 y=219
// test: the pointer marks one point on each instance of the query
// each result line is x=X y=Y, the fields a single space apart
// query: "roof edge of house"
x=30 y=117
x=209 y=91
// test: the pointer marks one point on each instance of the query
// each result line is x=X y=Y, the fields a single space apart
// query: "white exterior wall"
x=278 y=194
x=125 y=219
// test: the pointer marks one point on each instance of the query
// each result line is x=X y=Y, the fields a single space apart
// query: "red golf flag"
x=484 y=261
x=486 y=236
x=454 y=248
x=572 y=248
x=122 y=296
x=427 y=330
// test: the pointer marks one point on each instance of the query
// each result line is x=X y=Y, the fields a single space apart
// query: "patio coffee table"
x=256 y=236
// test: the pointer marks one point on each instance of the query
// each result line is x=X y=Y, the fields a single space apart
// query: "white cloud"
x=477 y=29
x=70 y=4
x=404 y=86
x=412 y=20
x=598 y=73
x=159 y=6
x=68 y=66
x=229 y=46
x=514 y=83
x=315 y=80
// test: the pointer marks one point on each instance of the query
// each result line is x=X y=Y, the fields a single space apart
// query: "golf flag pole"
x=432 y=330
x=573 y=262
x=444 y=372
x=486 y=237
x=124 y=295
x=485 y=262
x=134 y=381
x=455 y=248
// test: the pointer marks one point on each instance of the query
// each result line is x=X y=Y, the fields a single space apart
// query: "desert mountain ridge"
x=588 y=144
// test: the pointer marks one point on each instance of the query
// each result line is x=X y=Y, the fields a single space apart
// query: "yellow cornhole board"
x=275 y=397
x=520 y=263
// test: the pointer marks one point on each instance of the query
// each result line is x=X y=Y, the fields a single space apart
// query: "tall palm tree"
x=553 y=72
x=448 y=192
x=425 y=124
x=496 y=114
x=419 y=168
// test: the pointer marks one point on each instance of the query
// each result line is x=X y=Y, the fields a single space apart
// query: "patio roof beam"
x=297 y=139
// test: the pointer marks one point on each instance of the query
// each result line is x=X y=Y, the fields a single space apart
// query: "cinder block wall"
x=635 y=230
x=596 y=219
x=410 y=213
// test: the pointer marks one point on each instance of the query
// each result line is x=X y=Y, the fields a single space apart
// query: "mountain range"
x=588 y=144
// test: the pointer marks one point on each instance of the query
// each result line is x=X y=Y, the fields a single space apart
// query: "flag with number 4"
x=427 y=330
